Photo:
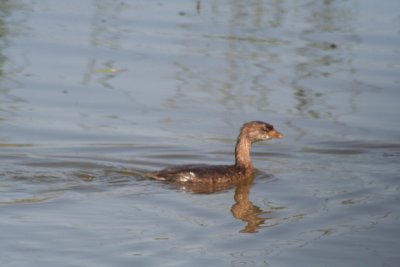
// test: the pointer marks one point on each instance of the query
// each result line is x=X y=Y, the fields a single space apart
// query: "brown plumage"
x=222 y=175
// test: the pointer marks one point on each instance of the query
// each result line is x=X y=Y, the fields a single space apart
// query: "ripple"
x=34 y=199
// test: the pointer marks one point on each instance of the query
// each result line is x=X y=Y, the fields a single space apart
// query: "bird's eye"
x=268 y=128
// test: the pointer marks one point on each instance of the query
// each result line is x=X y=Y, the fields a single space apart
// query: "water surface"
x=94 y=94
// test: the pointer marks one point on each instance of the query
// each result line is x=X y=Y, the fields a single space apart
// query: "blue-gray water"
x=94 y=93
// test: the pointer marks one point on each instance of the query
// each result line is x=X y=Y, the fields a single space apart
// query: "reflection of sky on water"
x=110 y=63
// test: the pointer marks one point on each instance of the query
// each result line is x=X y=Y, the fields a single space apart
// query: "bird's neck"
x=242 y=154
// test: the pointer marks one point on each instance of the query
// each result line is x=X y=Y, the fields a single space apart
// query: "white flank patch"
x=186 y=177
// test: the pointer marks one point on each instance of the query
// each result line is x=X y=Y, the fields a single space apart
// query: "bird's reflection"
x=243 y=209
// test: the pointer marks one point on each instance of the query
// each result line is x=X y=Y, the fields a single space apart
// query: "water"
x=93 y=94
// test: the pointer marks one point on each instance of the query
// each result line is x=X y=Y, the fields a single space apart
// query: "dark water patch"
x=368 y=145
x=353 y=147
x=338 y=151
x=63 y=164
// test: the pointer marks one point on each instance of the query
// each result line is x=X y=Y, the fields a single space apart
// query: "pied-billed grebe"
x=250 y=132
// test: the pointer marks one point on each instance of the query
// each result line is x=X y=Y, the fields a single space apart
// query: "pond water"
x=95 y=93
